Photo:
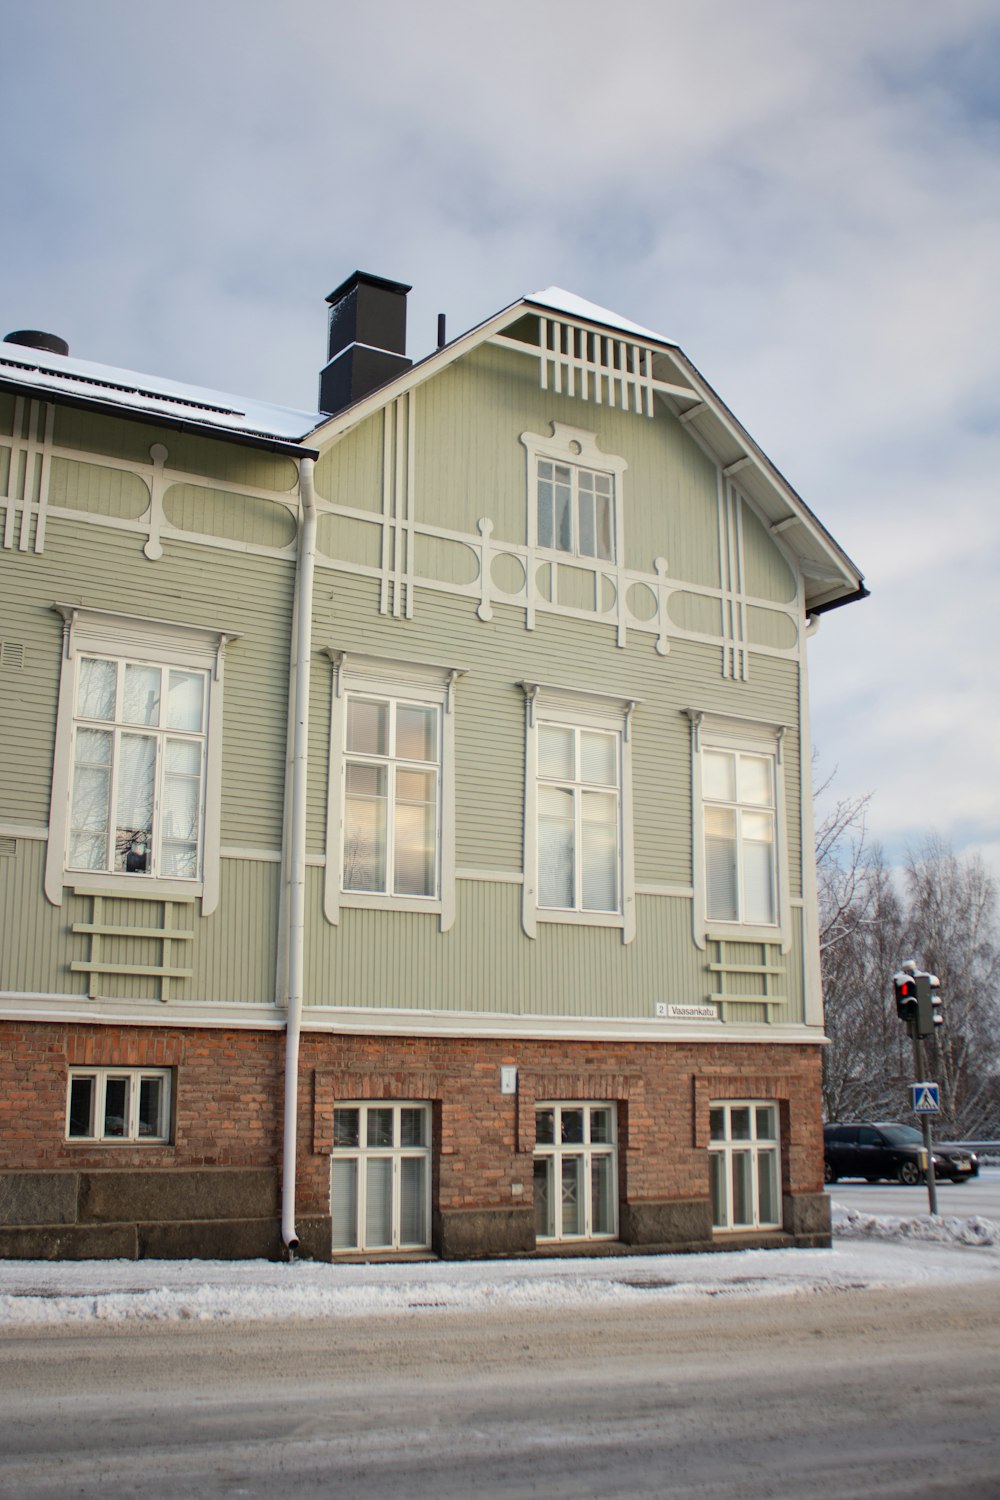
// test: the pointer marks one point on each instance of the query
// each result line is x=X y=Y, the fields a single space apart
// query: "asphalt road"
x=980 y=1196
x=843 y=1393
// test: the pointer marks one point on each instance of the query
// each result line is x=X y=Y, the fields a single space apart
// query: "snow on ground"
x=868 y=1253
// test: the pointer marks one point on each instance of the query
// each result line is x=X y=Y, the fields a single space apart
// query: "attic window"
x=574 y=495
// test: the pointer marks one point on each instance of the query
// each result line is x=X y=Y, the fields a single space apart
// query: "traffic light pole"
x=925 y=1124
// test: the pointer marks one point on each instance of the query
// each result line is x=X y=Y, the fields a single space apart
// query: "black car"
x=878 y=1151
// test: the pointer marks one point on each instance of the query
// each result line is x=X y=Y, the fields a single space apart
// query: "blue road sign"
x=925 y=1098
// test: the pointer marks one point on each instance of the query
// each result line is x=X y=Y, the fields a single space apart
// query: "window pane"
x=150 y=1106
x=758 y=868
x=544 y=1127
x=366 y=781
x=586 y=545
x=742 y=1189
x=416 y=733
x=562 y=508
x=115 y=1107
x=179 y=861
x=600 y=1126
x=81 y=1107
x=767 y=1187
x=546 y=532
x=90 y=812
x=720 y=864
x=344 y=1202
x=367 y=723
x=134 y=812
x=416 y=849
x=717 y=1124
x=416 y=786
x=598 y=758
x=98 y=685
x=544 y=1224
x=765 y=1123
x=364 y=836
x=555 y=848
x=186 y=700
x=345 y=1127
x=755 y=780
x=555 y=753
x=717 y=1169
x=181 y=799
x=572 y=1195
x=412 y=1127
x=602 y=1209
x=739 y=1120
x=718 y=775
x=183 y=757
x=413 y=1200
x=379 y=1132
x=602 y=527
x=378 y=1202
x=599 y=853
x=141 y=700
x=571 y=1126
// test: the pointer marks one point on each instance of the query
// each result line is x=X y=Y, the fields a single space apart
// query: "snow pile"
x=851 y=1224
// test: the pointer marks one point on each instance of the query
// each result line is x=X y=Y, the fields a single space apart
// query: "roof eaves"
x=175 y=423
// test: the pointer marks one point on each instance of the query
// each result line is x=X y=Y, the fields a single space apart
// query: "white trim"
x=400 y=1021
x=360 y=1020
x=23 y=831
x=497 y=877
x=355 y=672
x=672 y=892
x=578 y=708
x=17 y=1005
x=171 y=643
x=712 y=729
x=812 y=978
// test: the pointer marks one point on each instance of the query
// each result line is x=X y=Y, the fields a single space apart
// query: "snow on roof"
x=562 y=301
x=58 y=373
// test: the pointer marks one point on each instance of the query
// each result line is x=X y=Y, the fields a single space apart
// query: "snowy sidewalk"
x=868 y=1253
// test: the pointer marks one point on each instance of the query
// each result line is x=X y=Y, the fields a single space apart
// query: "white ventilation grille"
x=8 y=847
x=11 y=656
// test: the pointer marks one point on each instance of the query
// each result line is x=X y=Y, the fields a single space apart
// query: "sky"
x=805 y=196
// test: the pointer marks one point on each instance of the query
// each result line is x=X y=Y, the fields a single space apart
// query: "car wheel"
x=829 y=1175
x=909 y=1173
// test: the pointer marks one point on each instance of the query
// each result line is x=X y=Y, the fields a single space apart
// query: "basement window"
x=123 y=1105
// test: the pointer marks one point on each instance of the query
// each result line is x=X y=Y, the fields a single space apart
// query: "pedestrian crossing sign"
x=926 y=1098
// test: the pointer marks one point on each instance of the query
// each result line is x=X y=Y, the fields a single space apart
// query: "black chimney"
x=33 y=338
x=367 y=339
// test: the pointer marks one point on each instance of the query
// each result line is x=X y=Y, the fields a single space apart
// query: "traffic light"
x=929 y=1013
x=905 y=986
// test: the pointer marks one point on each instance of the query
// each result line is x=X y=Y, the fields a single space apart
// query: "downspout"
x=301 y=657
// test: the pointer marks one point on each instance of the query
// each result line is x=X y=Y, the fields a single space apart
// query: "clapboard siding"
x=105 y=569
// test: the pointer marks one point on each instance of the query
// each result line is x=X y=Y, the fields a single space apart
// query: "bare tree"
x=942 y=911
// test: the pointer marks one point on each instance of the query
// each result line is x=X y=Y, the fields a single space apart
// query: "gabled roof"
x=831 y=577
x=170 y=402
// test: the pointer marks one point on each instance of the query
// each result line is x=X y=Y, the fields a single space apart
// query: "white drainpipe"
x=302 y=658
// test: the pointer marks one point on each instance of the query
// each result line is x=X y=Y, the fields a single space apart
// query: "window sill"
x=138 y=887
x=581 y=918
x=372 y=901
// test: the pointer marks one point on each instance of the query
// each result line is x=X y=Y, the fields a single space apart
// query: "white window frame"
x=730 y=732
x=577 y=448
x=570 y=708
x=754 y=1147
x=132 y=638
x=135 y=1077
x=396 y=1154
x=557 y=1151
x=356 y=675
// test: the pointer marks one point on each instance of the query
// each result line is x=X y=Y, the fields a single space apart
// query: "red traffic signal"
x=905 y=987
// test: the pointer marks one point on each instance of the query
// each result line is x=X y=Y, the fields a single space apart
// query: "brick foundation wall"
x=228 y=1120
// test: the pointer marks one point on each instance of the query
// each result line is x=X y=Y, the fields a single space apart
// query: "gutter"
x=296 y=867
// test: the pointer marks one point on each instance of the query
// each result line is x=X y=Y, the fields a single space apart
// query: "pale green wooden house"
x=405 y=827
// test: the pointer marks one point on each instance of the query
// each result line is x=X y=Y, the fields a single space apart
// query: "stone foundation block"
x=167 y=1195
x=38 y=1197
x=478 y=1232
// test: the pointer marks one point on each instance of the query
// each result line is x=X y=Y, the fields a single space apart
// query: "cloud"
x=807 y=197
